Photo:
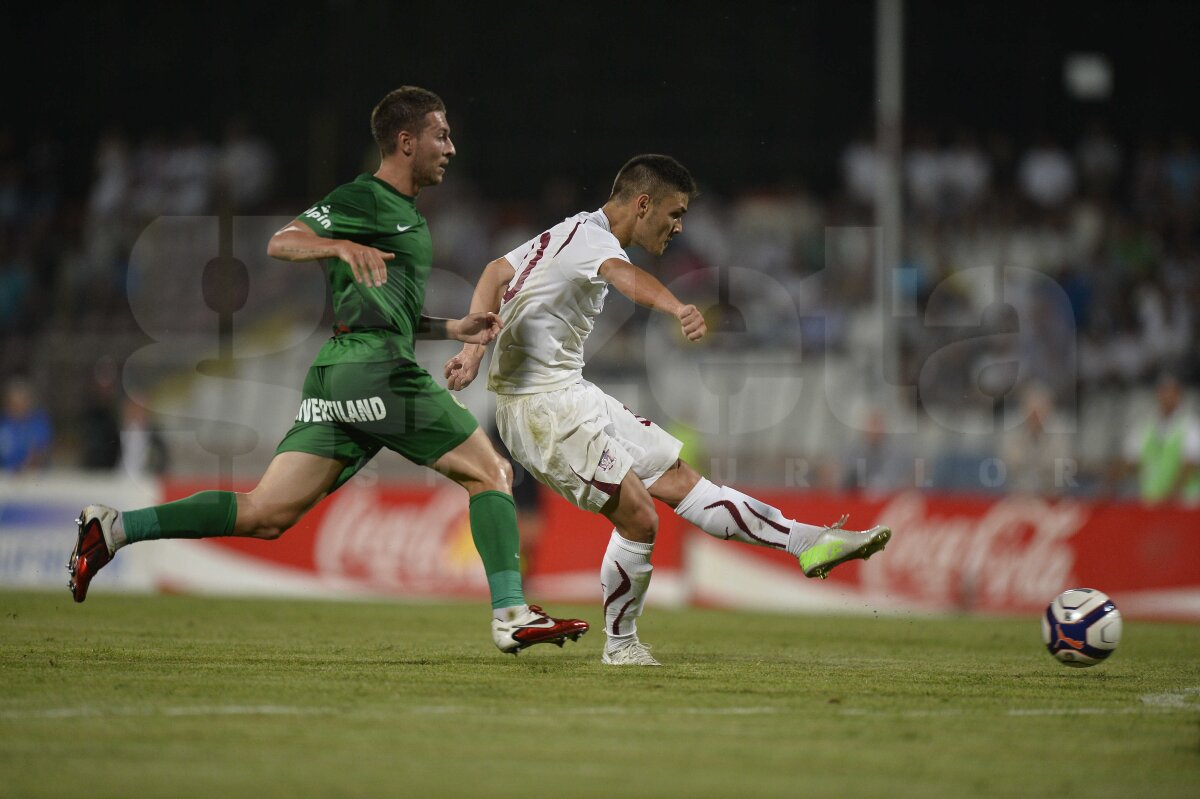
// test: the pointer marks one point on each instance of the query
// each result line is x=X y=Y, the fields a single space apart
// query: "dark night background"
x=123 y=116
x=753 y=94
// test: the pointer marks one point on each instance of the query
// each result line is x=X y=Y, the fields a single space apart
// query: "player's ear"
x=643 y=204
x=406 y=142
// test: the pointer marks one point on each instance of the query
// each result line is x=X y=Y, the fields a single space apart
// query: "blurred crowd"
x=66 y=239
x=1036 y=270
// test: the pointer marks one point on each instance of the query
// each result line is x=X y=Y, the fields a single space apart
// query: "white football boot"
x=632 y=653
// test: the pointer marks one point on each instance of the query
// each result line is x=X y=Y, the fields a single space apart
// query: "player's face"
x=433 y=150
x=661 y=222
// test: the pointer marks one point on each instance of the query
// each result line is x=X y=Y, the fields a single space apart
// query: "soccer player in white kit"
x=589 y=447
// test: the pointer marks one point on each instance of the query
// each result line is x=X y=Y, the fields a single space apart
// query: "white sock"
x=118 y=532
x=624 y=578
x=724 y=512
x=509 y=613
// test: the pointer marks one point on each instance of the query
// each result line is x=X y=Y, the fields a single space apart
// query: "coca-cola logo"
x=421 y=546
x=1016 y=552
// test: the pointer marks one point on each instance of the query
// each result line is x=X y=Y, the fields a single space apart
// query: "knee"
x=504 y=474
x=642 y=523
x=494 y=473
x=269 y=532
x=269 y=524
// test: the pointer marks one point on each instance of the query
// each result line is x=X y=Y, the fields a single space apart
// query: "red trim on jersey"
x=543 y=243
x=642 y=419
x=568 y=241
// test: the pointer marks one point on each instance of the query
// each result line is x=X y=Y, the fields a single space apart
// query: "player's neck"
x=399 y=176
x=621 y=219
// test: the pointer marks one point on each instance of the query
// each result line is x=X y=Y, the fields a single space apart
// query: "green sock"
x=494 y=528
x=203 y=515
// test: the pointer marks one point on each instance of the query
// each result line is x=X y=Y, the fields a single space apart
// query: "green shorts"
x=351 y=411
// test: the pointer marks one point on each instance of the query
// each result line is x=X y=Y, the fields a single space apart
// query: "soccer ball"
x=1081 y=627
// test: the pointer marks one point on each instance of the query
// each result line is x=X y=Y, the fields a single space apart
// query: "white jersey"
x=550 y=305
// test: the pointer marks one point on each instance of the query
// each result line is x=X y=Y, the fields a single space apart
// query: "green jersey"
x=373 y=324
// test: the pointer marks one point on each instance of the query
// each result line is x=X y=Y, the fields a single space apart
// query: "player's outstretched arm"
x=490 y=288
x=297 y=242
x=645 y=289
x=473 y=329
x=461 y=370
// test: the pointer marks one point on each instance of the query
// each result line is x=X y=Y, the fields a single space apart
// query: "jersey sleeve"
x=598 y=247
x=518 y=255
x=347 y=212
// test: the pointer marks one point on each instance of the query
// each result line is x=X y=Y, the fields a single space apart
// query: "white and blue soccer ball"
x=1081 y=627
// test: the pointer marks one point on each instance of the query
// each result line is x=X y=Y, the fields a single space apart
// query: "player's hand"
x=480 y=327
x=692 y=322
x=368 y=264
x=461 y=370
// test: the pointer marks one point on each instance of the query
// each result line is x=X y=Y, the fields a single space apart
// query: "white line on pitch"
x=595 y=711
x=211 y=710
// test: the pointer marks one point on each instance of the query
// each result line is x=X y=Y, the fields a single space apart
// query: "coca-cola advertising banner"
x=412 y=540
x=999 y=555
x=1003 y=555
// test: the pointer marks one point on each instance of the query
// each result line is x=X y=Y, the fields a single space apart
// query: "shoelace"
x=633 y=645
x=839 y=524
x=639 y=652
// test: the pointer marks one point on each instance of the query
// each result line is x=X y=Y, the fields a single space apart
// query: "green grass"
x=129 y=696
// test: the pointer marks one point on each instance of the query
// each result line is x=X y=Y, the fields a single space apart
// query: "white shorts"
x=581 y=442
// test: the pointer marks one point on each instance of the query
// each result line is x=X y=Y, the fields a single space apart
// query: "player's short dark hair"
x=402 y=109
x=654 y=175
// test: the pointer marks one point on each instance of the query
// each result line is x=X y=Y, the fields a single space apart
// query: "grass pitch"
x=128 y=696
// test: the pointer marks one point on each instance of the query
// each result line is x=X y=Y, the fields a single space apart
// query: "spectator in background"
x=967 y=174
x=100 y=427
x=245 y=168
x=1164 y=450
x=189 y=173
x=924 y=175
x=12 y=198
x=15 y=282
x=1181 y=171
x=1149 y=187
x=143 y=450
x=878 y=461
x=860 y=168
x=25 y=430
x=1099 y=157
x=1165 y=322
x=1038 y=459
x=1046 y=175
x=1047 y=340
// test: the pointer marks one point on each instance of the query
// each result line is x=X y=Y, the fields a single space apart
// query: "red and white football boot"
x=535 y=627
x=93 y=550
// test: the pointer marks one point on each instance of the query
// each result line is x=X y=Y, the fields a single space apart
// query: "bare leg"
x=476 y=466
x=293 y=483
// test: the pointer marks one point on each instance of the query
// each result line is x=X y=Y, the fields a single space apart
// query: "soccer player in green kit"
x=365 y=390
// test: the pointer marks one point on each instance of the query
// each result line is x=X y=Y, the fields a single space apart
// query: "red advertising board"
x=1009 y=554
x=1006 y=555
x=415 y=540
